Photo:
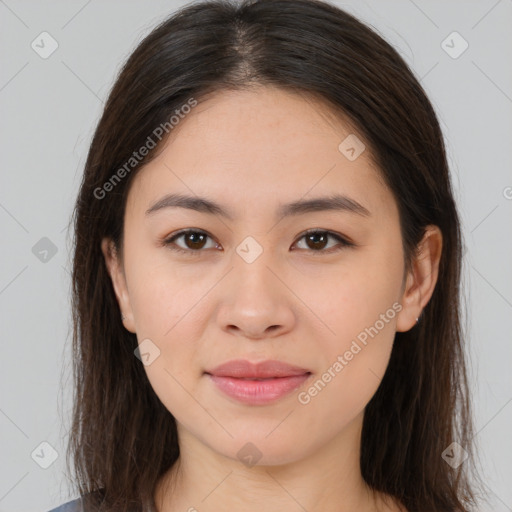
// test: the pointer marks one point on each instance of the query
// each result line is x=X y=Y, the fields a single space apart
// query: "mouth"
x=257 y=384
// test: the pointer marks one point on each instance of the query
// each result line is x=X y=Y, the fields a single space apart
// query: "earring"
x=123 y=317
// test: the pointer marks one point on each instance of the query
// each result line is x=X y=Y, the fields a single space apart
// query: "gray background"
x=49 y=108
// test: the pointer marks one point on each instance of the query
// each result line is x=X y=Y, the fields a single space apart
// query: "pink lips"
x=259 y=383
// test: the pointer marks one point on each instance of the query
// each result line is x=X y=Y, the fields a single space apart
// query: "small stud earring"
x=123 y=317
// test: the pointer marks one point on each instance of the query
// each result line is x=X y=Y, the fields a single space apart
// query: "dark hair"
x=319 y=51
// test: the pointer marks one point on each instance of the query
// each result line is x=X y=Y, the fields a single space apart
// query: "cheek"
x=355 y=300
x=364 y=327
x=353 y=361
x=361 y=313
x=162 y=293
x=166 y=311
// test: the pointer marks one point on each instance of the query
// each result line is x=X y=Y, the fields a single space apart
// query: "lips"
x=244 y=369
x=257 y=384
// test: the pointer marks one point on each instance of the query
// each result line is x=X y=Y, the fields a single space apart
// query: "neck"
x=328 y=479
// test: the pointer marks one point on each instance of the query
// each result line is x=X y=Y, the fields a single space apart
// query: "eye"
x=194 y=241
x=317 y=241
x=195 y=238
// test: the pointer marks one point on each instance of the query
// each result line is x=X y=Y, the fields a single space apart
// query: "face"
x=253 y=284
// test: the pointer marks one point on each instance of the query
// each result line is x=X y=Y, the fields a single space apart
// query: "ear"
x=422 y=278
x=117 y=276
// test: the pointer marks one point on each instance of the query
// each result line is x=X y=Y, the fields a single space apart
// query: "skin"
x=250 y=151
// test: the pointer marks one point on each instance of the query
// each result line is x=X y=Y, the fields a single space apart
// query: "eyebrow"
x=335 y=202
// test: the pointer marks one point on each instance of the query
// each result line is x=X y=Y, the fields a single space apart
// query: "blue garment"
x=70 y=506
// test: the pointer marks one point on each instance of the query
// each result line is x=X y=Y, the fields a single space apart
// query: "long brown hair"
x=122 y=438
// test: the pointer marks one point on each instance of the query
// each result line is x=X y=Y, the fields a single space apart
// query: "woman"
x=266 y=276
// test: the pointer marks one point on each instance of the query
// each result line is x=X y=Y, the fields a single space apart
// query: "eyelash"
x=169 y=242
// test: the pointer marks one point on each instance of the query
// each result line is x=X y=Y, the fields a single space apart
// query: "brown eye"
x=193 y=240
x=317 y=241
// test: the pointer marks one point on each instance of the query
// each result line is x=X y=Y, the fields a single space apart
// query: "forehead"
x=255 y=145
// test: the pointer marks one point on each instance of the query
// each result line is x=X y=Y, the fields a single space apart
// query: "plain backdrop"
x=50 y=105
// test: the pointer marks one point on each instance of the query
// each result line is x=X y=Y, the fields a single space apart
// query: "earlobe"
x=118 y=279
x=422 y=279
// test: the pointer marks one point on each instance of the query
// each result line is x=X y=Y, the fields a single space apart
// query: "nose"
x=256 y=303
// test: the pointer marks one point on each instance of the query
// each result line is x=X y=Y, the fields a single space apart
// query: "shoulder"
x=70 y=506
